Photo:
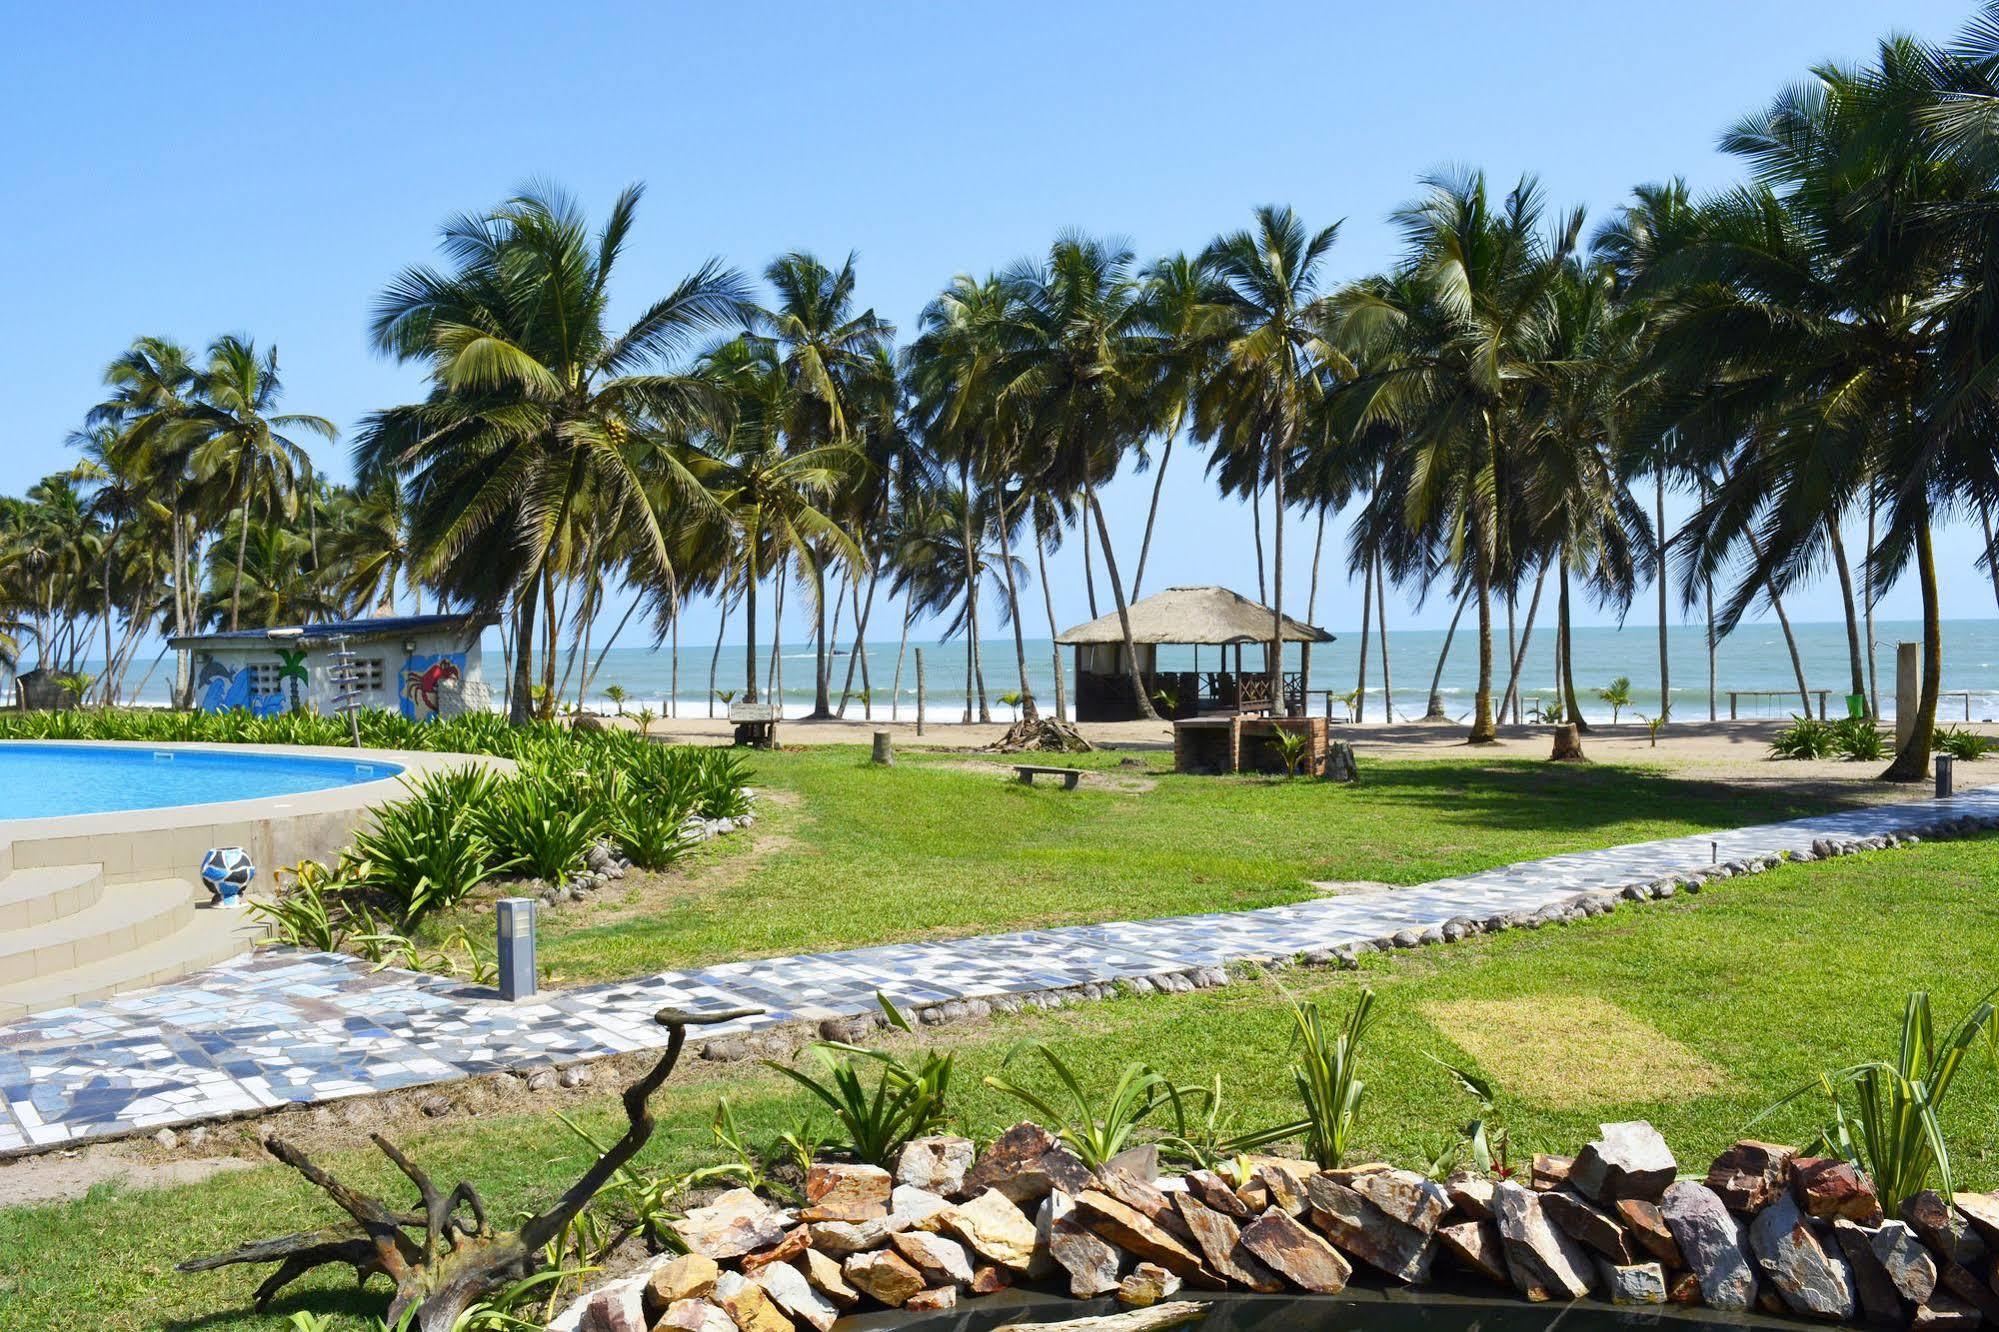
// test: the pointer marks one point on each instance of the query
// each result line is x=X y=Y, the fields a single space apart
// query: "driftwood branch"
x=447 y=1264
x=1171 y=1314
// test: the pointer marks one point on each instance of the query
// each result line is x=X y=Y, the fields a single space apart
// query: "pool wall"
x=137 y=845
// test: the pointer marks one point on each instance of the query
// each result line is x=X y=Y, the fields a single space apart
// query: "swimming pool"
x=39 y=780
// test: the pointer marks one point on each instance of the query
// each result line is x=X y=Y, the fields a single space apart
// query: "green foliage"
x=1962 y=744
x=1884 y=1112
x=650 y=832
x=1483 y=1143
x=1099 y=1128
x=305 y=913
x=721 y=790
x=1618 y=694
x=1653 y=725
x=542 y=821
x=906 y=1101
x=1859 y=739
x=1805 y=738
x=1292 y=749
x=426 y=853
x=1328 y=1077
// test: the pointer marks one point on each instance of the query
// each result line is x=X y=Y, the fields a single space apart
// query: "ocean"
x=1752 y=661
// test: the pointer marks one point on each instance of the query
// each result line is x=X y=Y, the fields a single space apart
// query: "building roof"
x=394 y=626
x=1194 y=615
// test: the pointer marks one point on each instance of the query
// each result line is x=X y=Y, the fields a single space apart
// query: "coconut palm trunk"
x=1571 y=709
x=895 y=687
x=1526 y=635
x=1435 y=709
x=520 y=688
x=1152 y=515
x=1027 y=709
x=715 y=658
x=1279 y=705
x=862 y=610
x=1659 y=577
x=1856 y=665
x=822 y=657
x=242 y=550
x=1145 y=708
x=1912 y=761
x=1991 y=555
x=1054 y=648
x=1381 y=627
x=1312 y=603
x=750 y=619
x=1867 y=581
x=1366 y=631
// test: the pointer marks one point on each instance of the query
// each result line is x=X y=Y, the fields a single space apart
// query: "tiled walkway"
x=284 y=1026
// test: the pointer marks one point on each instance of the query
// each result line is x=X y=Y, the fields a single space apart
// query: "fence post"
x=919 y=691
x=1731 y=705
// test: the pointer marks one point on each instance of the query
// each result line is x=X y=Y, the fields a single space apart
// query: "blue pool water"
x=40 y=780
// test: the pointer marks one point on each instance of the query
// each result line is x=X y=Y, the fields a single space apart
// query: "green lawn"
x=943 y=845
x=1762 y=981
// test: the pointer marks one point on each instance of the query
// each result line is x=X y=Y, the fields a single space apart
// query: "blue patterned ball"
x=227 y=870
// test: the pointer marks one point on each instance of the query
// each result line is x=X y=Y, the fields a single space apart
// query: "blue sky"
x=200 y=169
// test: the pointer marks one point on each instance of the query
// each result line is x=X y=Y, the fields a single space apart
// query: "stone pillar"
x=1908 y=689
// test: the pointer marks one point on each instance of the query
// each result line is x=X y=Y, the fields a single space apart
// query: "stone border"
x=168 y=841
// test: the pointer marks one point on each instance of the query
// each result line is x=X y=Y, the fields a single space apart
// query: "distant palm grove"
x=1504 y=410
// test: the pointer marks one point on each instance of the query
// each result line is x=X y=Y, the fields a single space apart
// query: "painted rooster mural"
x=421 y=678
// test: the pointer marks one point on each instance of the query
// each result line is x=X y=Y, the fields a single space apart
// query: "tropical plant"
x=1098 y=1128
x=536 y=823
x=1858 y=738
x=1618 y=694
x=1653 y=725
x=1885 y=1111
x=906 y=1101
x=425 y=853
x=616 y=693
x=645 y=717
x=1328 y=1078
x=1805 y=738
x=1962 y=744
x=1292 y=748
x=1483 y=1143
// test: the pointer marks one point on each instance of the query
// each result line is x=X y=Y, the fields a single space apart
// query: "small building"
x=1194 y=617
x=425 y=666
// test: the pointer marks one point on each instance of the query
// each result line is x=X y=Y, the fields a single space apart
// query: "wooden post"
x=1731 y=705
x=1822 y=697
x=884 y=752
x=919 y=691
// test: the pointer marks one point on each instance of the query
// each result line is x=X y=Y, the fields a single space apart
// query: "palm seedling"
x=1618 y=694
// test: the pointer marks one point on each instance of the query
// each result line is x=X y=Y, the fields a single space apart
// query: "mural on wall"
x=421 y=677
x=219 y=687
x=291 y=672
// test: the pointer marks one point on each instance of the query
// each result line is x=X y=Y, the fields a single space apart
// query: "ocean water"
x=1753 y=662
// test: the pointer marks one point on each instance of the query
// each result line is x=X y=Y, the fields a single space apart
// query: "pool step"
x=202 y=937
x=40 y=895
x=125 y=916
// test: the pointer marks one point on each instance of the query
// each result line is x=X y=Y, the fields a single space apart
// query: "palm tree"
x=535 y=403
x=243 y=444
x=370 y=545
x=1274 y=361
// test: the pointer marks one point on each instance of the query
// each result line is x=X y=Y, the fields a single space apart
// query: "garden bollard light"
x=1943 y=775
x=514 y=917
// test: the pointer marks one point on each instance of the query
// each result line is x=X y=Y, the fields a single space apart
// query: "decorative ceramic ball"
x=227 y=870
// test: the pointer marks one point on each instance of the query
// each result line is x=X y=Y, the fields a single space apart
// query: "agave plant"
x=905 y=1101
x=1097 y=1129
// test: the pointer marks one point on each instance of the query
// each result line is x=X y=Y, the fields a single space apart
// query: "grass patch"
x=938 y=846
x=1572 y=1050
x=1766 y=979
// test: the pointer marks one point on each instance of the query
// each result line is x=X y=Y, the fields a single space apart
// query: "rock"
x=166 y=1138
x=736 y=1223
x=1710 y=1240
x=1283 y=1187
x=941 y=1261
x=825 y=1274
x=1215 y=1192
x=911 y=1208
x=1749 y=1176
x=1296 y=1254
x=992 y=1227
x=791 y=1292
x=1359 y=1227
x=1470 y=1194
x=1811 y=1280
x=1134 y=1192
x=1649 y=1231
x=934 y=1164
x=749 y=1306
x=1945 y=1313
x=691 y=1276
x=1141 y=1161
x=1879 y=1301
x=1549 y=1172
x=1632 y=1283
x=990 y=1280
x=1544 y=1262
x=1220 y=1243
x=1907 y=1263
x=1630 y=1160
x=930 y=1301
x=618 y=1307
x=1404 y=1196
x=1476 y=1247
x=1148 y=1284
x=1589 y=1225
x=1024 y=1163
x=1981 y=1210
x=883 y=1276
x=434 y=1107
x=1968 y=1286
x=1831 y=1189
x=846 y=1193
x=573 y=1076
x=693 y=1316
x=541 y=1080
x=795 y=1242
x=1140 y=1236
x=844 y=1238
x=1938 y=1225
x=1684 y=1288
x=1092 y=1264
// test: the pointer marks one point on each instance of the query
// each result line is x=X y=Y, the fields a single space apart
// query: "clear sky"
x=191 y=170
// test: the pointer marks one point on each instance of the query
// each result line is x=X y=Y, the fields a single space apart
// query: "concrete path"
x=285 y=1026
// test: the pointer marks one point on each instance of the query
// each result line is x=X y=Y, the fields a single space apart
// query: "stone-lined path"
x=284 y=1026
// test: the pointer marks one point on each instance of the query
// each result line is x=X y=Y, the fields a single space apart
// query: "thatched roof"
x=1194 y=615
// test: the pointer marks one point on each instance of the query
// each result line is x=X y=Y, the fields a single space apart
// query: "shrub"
x=1328 y=1078
x=722 y=794
x=306 y=913
x=906 y=1101
x=536 y=823
x=1096 y=1129
x=426 y=853
x=1859 y=738
x=1805 y=738
x=649 y=832
x=1962 y=744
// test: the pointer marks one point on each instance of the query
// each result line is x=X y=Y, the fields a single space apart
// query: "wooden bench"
x=755 y=723
x=1027 y=772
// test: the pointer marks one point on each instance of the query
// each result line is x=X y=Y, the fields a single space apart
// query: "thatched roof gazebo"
x=1195 y=617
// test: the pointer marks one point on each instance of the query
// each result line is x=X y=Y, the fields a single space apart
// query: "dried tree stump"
x=1568 y=744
